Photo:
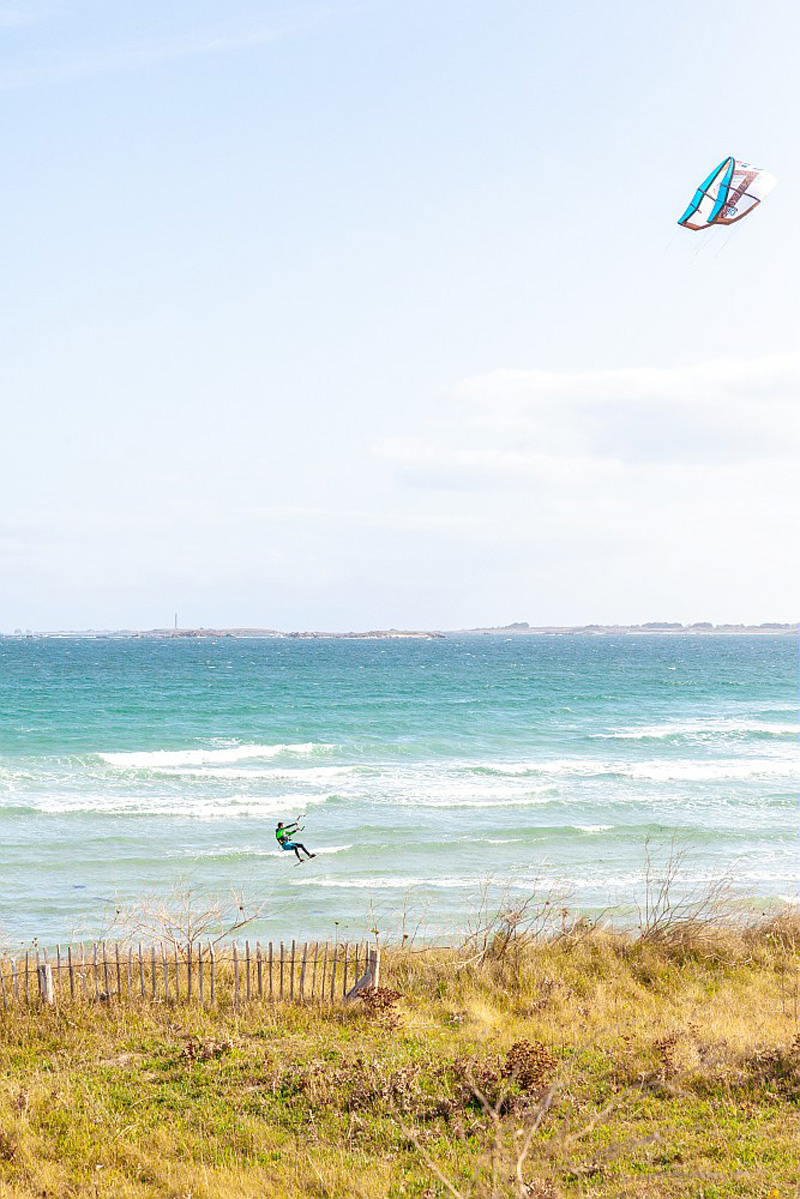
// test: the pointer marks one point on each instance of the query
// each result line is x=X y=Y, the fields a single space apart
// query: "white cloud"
x=628 y=492
x=552 y=426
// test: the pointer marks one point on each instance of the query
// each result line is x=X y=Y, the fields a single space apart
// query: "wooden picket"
x=294 y=972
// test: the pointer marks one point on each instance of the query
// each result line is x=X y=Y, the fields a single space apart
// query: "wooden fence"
x=230 y=975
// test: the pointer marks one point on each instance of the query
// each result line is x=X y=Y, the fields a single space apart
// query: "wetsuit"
x=284 y=839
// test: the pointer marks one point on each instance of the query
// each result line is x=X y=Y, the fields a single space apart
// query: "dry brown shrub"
x=198 y=1050
x=531 y=1065
x=8 y=1146
x=778 y=1068
x=379 y=1004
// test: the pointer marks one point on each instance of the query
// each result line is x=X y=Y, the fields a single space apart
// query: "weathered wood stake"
x=235 y=978
x=46 y=992
x=333 y=969
x=291 y=975
x=303 y=972
x=71 y=973
x=324 y=969
x=314 y=970
x=212 y=980
x=200 y=973
x=247 y=969
x=259 y=970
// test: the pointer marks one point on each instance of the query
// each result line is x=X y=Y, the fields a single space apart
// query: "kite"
x=731 y=191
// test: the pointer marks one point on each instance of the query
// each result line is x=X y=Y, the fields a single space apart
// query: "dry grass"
x=588 y=1063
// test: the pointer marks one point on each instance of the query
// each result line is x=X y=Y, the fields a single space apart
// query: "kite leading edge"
x=731 y=191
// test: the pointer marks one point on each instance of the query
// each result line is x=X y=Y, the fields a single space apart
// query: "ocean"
x=428 y=771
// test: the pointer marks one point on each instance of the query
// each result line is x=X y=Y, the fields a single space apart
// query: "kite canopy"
x=733 y=189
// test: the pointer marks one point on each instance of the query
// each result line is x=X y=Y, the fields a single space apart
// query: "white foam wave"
x=308 y=774
x=197 y=807
x=666 y=771
x=593 y=828
x=161 y=758
x=385 y=884
x=703 y=728
x=660 y=770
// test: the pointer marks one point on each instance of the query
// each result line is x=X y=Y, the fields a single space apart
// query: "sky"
x=368 y=315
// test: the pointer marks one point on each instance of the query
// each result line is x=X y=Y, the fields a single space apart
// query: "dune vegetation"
x=590 y=1062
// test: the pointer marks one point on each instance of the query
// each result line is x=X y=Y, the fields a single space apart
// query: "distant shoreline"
x=517 y=629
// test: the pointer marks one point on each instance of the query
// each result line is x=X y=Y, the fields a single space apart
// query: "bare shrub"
x=505 y=922
x=684 y=919
x=184 y=918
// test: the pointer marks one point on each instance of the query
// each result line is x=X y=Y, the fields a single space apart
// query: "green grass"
x=667 y=1069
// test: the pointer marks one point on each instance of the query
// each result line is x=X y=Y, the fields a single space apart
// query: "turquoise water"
x=424 y=768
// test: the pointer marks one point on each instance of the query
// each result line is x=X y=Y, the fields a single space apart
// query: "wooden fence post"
x=177 y=958
x=14 y=982
x=271 y=993
x=46 y=992
x=314 y=970
x=153 y=973
x=247 y=970
x=165 y=970
x=200 y=973
x=324 y=969
x=84 y=983
x=3 y=985
x=189 y=970
x=333 y=969
x=259 y=970
x=344 y=972
x=303 y=973
x=58 y=973
x=213 y=981
x=27 y=972
x=141 y=972
x=129 y=971
x=119 y=969
x=235 y=978
x=281 y=970
x=71 y=973
x=291 y=975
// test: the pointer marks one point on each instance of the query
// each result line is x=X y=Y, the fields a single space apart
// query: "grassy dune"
x=593 y=1064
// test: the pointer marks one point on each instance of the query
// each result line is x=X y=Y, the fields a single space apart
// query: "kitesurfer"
x=284 y=834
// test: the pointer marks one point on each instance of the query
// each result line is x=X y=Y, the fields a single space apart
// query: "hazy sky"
x=351 y=315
